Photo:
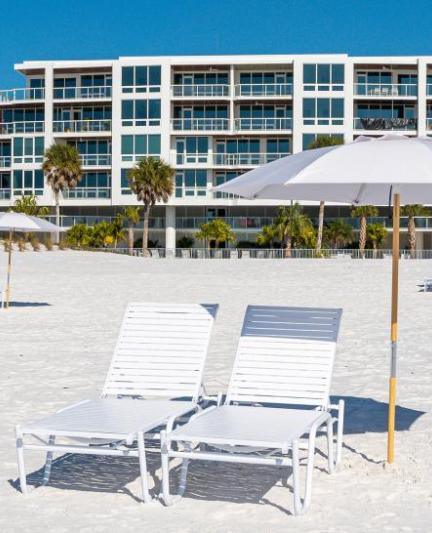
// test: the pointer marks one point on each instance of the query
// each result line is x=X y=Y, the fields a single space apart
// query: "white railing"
x=85 y=93
x=200 y=91
x=5 y=161
x=270 y=123
x=67 y=126
x=87 y=192
x=385 y=124
x=246 y=158
x=263 y=89
x=5 y=194
x=21 y=127
x=385 y=89
x=19 y=95
x=95 y=160
x=200 y=124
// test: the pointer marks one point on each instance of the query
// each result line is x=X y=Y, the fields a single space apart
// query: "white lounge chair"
x=159 y=356
x=284 y=358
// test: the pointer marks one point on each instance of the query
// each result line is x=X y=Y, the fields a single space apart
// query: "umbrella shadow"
x=29 y=304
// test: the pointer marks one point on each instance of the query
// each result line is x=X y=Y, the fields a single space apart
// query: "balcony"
x=385 y=89
x=82 y=126
x=263 y=89
x=237 y=223
x=10 y=128
x=5 y=161
x=95 y=160
x=380 y=124
x=200 y=91
x=87 y=192
x=266 y=124
x=246 y=159
x=200 y=124
x=5 y=194
x=82 y=93
x=21 y=95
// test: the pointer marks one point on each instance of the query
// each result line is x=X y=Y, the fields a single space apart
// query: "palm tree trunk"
x=374 y=246
x=412 y=236
x=320 y=226
x=362 y=237
x=57 y=214
x=130 y=239
x=145 y=230
x=287 y=244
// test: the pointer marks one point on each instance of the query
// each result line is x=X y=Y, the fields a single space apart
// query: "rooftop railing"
x=5 y=161
x=385 y=89
x=74 y=126
x=82 y=93
x=200 y=91
x=20 y=95
x=200 y=124
x=258 y=123
x=9 y=128
x=95 y=160
x=263 y=89
x=385 y=123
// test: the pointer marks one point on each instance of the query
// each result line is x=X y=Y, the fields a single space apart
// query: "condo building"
x=210 y=117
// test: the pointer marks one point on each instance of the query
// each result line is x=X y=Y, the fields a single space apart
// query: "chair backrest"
x=285 y=356
x=161 y=351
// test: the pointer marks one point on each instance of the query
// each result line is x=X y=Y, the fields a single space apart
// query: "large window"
x=92 y=185
x=264 y=116
x=135 y=147
x=265 y=84
x=309 y=138
x=323 y=111
x=94 y=152
x=141 y=112
x=28 y=182
x=26 y=120
x=5 y=154
x=221 y=178
x=190 y=183
x=279 y=147
x=200 y=117
x=191 y=150
x=385 y=116
x=323 y=77
x=28 y=149
x=5 y=185
x=141 y=79
x=237 y=152
x=383 y=83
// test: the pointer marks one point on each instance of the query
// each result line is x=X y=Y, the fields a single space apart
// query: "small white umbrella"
x=12 y=222
x=380 y=171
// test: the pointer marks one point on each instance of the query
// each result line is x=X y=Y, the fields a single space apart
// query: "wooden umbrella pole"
x=394 y=329
x=9 y=269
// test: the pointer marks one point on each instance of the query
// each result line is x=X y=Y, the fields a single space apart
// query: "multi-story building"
x=210 y=117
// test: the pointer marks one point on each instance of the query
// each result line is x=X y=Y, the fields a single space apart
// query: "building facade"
x=210 y=117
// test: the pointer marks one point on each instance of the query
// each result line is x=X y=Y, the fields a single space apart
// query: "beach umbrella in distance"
x=19 y=222
x=388 y=170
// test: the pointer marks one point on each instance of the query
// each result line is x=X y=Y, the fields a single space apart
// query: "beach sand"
x=55 y=347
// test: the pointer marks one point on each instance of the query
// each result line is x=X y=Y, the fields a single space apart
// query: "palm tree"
x=132 y=215
x=216 y=230
x=376 y=235
x=117 y=229
x=291 y=226
x=411 y=211
x=62 y=166
x=338 y=233
x=152 y=181
x=323 y=141
x=267 y=236
x=363 y=212
x=29 y=206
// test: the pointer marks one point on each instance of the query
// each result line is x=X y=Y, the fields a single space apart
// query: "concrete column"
x=170 y=227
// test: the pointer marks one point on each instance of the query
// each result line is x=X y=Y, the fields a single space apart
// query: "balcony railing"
x=271 y=123
x=200 y=124
x=20 y=95
x=5 y=161
x=82 y=93
x=200 y=91
x=246 y=158
x=67 y=221
x=21 y=127
x=73 y=126
x=95 y=160
x=263 y=89
x=88 y=192
x=240 y=223
x=5 y=194
x=385 y=123
x=385 y=89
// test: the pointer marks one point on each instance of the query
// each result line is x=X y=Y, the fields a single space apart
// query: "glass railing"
x=69 y=126
x=385 y=89
x=271 y=123
x=5 y=194
x=88 y=192
x=21 y=127
x=246 y=158
x=19 y=95
x=235 y=222
x=95 y=160
x=200 y=124
x=200 y=91
x=5 y=161
x=73 y=93
x=263 y=89
x=385 y=124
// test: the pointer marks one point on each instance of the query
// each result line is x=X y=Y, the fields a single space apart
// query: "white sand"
x=58 y=353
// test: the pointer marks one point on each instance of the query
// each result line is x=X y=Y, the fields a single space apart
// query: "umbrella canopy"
x=367 y=171
x=10 y=221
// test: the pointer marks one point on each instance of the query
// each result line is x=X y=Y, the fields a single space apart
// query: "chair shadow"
x=29 y=304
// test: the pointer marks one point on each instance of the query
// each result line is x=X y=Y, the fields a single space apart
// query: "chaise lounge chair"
x=284 y=358
x=159 y=356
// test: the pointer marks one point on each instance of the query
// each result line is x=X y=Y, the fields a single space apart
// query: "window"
x=237 y=152
x=124 y=181
x=37 y=86
x=264 y=116
x=201 y=84
x=190 y=183
x=28 y=149
x=94 y=152
x=26 y=120
x=323 y=77
x=92 y=185
x=135 y=147
x=141 y=79
x=200 y=117
x=28 y=182
x=96 y=80
x=265 y=83
x=141 y=112
x=5 y=185
x=309 y=138
x=65 y=88
x=220 y=179
x=323 y=111
x=276 y=148
x=5 y=154
x=191 y=150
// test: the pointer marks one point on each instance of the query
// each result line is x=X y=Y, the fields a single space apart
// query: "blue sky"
x=86 y=29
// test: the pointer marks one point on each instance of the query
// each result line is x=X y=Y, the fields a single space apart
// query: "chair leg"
x=166 y=495
x=340 y=429
x=48 y=462
x=295 y=477
x=21 y=465
x=143 y=468
x=330 y=446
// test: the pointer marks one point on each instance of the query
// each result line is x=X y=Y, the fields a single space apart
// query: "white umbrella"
x=12 y=222
x=379 y=171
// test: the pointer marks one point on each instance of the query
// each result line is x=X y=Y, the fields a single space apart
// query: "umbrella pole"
x=9 y=269
x=394 y=329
